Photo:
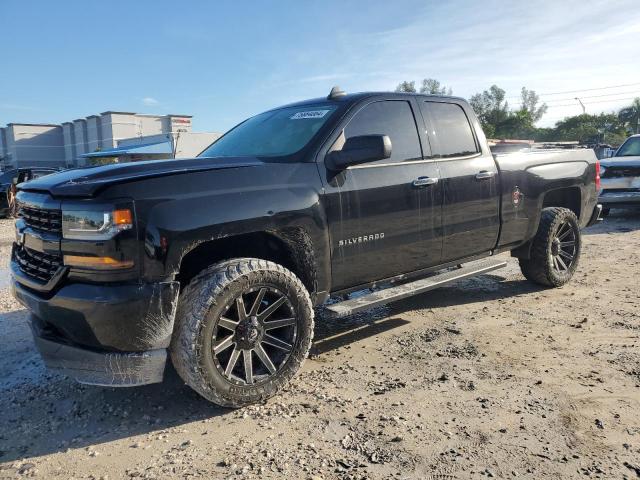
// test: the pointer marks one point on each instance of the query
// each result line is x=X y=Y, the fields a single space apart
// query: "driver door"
x=384 y=219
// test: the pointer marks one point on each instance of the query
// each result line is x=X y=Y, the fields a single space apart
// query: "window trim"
x=410 y=162
x=392 y=164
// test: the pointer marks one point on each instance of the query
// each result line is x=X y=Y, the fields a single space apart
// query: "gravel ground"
x=492 y=377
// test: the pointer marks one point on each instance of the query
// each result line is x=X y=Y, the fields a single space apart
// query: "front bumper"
x=109 y=369
x=103 y=334
x=620 y=198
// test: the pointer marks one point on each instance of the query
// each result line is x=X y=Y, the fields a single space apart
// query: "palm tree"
x=631 y=116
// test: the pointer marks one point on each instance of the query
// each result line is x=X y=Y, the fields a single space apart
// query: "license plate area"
x=40 y=242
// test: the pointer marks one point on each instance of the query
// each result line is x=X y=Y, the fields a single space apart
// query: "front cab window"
x=393 y=118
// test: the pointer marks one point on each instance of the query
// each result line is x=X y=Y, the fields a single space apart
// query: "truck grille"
x=42 y=266
x=621 y=171
x=41 y=219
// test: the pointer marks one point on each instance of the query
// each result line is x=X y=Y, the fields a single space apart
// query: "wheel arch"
x=566 y=197
x=290 y=247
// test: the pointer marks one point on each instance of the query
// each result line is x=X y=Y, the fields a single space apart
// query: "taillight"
x=597 y=174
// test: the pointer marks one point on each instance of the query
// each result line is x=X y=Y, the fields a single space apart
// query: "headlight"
x=95 y=224
x=602 y=170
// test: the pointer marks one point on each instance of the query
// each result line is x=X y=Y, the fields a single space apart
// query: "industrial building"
x=108 y=137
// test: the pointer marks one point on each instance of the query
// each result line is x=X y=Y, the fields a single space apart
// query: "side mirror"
x=357 y=150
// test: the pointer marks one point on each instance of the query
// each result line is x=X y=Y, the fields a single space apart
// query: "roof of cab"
x=354 y=97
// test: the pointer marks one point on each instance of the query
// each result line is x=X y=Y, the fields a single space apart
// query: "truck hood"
x=88 y=181
x=631 y=161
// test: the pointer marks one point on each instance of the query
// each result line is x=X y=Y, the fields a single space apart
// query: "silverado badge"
x=361 y=239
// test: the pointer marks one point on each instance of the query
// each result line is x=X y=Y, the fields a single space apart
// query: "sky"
x=226 y=60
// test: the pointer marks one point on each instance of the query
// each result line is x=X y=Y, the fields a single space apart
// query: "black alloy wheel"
x=251 y=345
x=555 y=249
x=243 y=330
x=563 y=247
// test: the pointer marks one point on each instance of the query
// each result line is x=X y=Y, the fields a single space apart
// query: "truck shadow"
x=46 y=413
x=333 y=333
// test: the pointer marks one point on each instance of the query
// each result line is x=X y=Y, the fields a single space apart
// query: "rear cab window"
x=450 y=130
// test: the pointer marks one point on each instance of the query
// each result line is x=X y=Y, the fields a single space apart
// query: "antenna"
x=336 y=92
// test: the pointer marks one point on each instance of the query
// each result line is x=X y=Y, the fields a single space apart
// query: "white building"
x=36 y=144
x=110 y=136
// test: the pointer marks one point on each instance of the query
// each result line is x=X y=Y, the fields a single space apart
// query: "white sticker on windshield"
x=309 y=114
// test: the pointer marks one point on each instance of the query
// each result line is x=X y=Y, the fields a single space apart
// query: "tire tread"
x=537 y=268
x=198 y=297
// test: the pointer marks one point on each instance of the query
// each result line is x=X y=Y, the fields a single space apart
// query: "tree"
x=407 y=87
x=499 y=121
x=529 y=104
x=431 y=86
x=518 y=124
x=492 y=109
x=630 y=116
x=586 y=128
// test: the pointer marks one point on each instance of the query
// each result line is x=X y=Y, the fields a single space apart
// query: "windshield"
x=272 y=134
x=630 y=148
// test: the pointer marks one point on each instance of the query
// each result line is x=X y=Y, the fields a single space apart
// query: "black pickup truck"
x=219 y=261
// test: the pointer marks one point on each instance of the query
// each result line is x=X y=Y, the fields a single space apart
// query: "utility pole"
x=174 y=141
x=584 y=110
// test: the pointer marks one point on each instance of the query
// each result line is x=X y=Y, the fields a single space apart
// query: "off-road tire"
x=200 y=306
x=540 y=268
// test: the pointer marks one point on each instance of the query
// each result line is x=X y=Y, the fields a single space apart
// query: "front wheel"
x=555 y=251
x=243 y=330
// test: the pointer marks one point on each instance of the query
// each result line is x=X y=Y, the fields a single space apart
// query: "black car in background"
x=10 y=178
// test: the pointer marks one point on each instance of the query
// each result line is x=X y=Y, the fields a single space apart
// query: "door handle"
x=485 y=175
x=425 y=181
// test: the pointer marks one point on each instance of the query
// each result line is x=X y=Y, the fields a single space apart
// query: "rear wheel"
x=555 y=251
x=243 y=329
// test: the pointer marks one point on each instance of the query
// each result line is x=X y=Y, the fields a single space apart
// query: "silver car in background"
x=620 y=177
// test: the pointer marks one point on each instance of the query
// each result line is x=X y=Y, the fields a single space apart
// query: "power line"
x=595 y=96
x=583 y=90
x=575 y=104
x=590 y=89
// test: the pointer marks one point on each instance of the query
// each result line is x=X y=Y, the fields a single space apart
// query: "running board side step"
x=391 y=294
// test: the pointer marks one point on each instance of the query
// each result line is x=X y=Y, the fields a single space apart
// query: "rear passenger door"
x=384 y=216
x=469 y=177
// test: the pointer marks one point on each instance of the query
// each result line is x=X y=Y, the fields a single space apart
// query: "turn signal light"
x=97 y=263
x=122 y=217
